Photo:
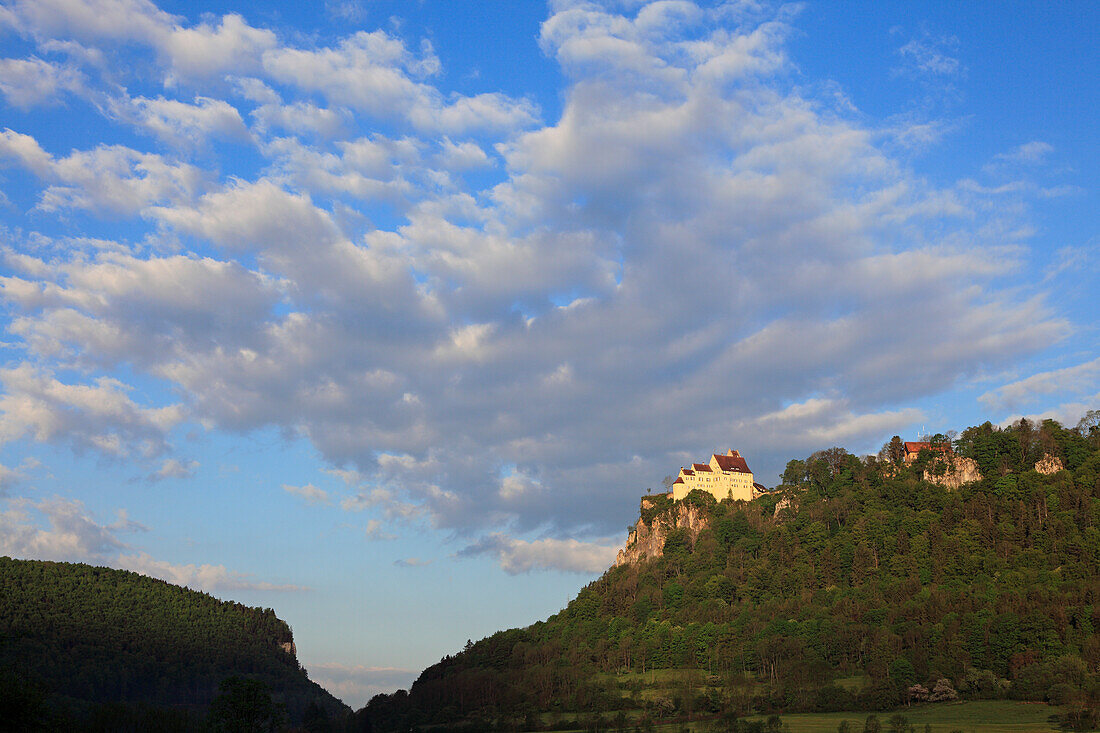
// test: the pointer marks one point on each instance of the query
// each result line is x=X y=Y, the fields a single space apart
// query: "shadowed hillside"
x=87 y=636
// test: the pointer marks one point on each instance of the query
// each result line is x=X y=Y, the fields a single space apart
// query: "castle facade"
x=725 y=477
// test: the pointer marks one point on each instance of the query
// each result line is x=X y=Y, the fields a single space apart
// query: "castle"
x=913 y=449
x=725 y=477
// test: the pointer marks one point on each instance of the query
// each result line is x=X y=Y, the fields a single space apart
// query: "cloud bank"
x=697 y=254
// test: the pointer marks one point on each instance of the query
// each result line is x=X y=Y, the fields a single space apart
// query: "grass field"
x=977 y=716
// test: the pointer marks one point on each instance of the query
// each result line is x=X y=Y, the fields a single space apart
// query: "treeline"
x=873 y=588
x=100 y=642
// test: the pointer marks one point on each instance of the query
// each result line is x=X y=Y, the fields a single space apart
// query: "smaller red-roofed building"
x=727 y=476
x=913 y=449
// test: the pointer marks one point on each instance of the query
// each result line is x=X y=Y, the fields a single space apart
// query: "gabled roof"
x=732 y=463
x=701 y=467
x=914 y=447
x=688 y=471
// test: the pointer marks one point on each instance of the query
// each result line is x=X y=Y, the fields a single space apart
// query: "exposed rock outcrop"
x=289 y=648
x=1049 y=464
x=959 y=471
x=784 y=503
x=648 y=540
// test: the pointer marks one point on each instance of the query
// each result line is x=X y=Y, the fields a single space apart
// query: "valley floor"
x=975 y=716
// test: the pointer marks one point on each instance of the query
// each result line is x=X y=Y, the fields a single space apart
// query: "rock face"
x=289 y=648
x=784 y=503
x=959 y=471
x=1049 y=464
x=648 y=540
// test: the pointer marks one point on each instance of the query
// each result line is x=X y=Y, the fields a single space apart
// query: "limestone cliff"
x=647 y=540
x=1049 y=464
x=958 y=471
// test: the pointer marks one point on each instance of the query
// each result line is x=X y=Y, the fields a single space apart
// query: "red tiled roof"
x=688 y=471
x=679 y=480
x=914 y=447
x=701 y=467
x=732 y=463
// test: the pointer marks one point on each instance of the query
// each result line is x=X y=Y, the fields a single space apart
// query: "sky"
x=384 y=314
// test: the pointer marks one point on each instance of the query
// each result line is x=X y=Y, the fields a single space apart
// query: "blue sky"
x=384 y=316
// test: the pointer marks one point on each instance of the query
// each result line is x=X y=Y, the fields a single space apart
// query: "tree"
x=942 y=691
x=899 y=724
x=315 y=719
x=895 y=450
x=22 y=704
x=872 y=724
x=244 y=705
x=795 y=473
x=1089 y=425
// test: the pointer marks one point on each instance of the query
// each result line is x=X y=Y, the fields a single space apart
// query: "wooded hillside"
x=875 y=588
x=87 y=635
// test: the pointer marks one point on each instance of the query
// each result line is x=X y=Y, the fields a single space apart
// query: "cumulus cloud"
x=109 y=177
x=375 y=73
x=30 y=82
x=189 y=123
x=520 y=556
x=99 y=416
x=691 y=237
x=71 y=534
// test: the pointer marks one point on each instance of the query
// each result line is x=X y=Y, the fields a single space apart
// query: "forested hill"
x=87 y=635
x=873 y=588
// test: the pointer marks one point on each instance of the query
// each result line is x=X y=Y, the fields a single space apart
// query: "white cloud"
x=200 y=52
x=819 y=422
x=1077 y=380
x=99 y=416
x=1034 y=152
x=72 y=535
x=210 y=578
x=375 y=73
x=8 y=477
x=520 y=556
x=309 y=492
x=463 y=155
x=693 y=236
x=93 y=20
x=375 y=531
x=300 y=118
x=207 y=50
x=933 y=56
x=29 y=82
x=174 y=468
x=357 y=684
x=411 y=562
x=180 y=122
x=116 y=178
